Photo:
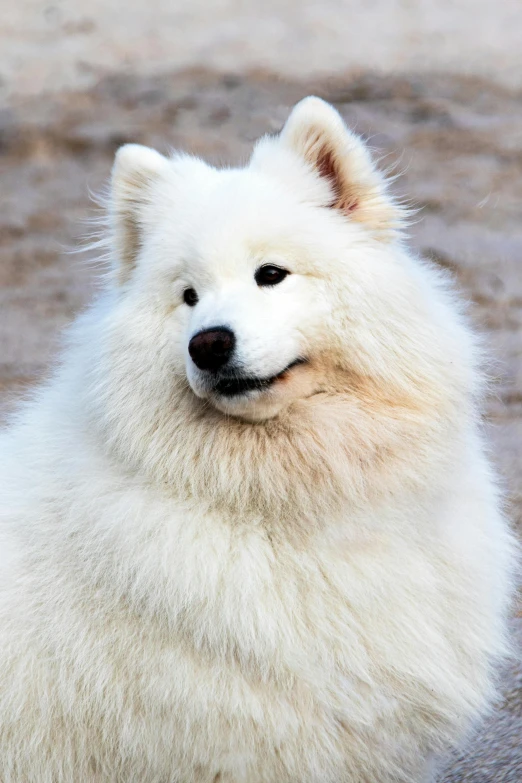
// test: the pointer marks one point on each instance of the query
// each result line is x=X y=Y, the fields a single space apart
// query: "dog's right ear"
x=136 y=169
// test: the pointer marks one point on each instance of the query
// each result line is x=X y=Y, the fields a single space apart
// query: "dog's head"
x=270 y=284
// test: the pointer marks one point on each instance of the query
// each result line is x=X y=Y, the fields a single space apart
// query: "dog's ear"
x=136 y=169
x=317 y=133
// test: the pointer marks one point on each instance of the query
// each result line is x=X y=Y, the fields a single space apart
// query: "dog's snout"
x=212 y=348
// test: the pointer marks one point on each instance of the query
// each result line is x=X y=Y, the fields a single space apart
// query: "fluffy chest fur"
x=184 y=643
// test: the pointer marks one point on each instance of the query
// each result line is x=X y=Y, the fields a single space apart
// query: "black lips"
x=234 y=385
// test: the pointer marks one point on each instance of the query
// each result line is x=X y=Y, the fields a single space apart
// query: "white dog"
x=250 y=533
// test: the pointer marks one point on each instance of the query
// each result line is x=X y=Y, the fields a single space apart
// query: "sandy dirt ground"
x=50 y=44
x=455 y=134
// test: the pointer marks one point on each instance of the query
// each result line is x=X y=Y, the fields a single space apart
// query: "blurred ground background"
x=437 y=87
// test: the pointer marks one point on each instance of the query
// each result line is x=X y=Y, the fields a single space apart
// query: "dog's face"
x=253 y=304
x=268 y=284
x=253 y=323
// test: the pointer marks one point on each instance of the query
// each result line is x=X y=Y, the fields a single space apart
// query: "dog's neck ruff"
x=309 y=464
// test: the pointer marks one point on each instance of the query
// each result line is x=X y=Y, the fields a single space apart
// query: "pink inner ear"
x=327 y=168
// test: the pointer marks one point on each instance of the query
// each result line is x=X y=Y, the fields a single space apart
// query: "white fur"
x=305 y=584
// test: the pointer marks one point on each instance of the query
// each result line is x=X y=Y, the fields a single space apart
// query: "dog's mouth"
x=237 y=385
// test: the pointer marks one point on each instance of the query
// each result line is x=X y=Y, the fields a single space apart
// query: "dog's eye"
x=190 y=297
x=270 y=275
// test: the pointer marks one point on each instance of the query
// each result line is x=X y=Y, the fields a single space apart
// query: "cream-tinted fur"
x=307 y=584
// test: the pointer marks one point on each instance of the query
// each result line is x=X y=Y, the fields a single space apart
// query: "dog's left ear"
x=317 y=133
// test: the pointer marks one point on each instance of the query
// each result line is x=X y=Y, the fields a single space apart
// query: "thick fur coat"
x=293 y=568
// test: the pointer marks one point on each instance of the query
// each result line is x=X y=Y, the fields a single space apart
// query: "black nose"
x=212 y=348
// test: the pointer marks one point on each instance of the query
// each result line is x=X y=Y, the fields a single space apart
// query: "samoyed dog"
x=250 y=532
